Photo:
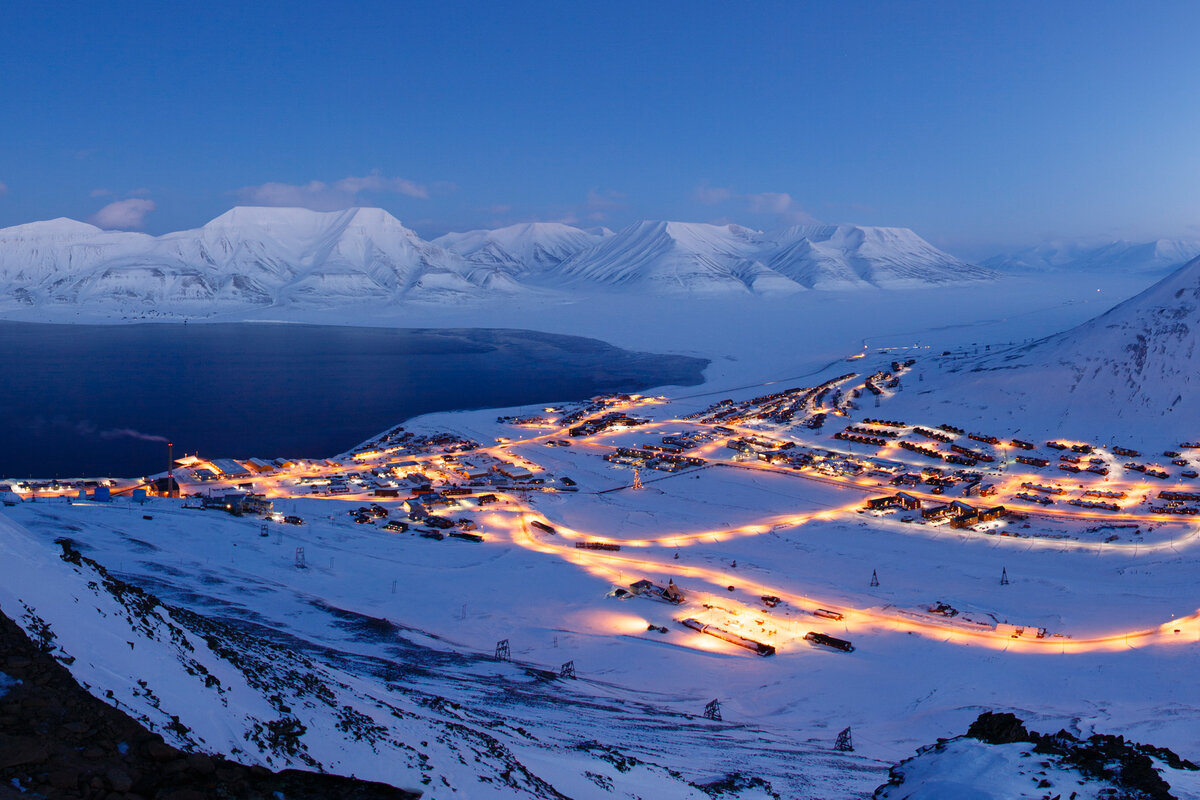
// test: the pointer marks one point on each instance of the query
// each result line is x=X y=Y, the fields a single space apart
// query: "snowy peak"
x=846 y=256
x=518 y=249
x=58 y=228
x=299 y=226
x=673 y=258
x=293 y=256
x=702 y=258
x=248 y=255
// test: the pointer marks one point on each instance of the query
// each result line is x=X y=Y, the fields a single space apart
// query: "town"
x=442 y=487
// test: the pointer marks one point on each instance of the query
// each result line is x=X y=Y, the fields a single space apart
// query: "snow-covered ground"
x=391 y=622
x=967 y=769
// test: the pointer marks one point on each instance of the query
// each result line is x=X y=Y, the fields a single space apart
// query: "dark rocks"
x=159 y=751
x=1127 y=767
x=18 y=750
x=998 y=729
x=119 y=780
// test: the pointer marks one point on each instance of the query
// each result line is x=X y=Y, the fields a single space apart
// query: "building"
x=230 y=469
x=238 y=503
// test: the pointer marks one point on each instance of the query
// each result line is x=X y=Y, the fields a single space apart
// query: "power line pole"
x=713 y=711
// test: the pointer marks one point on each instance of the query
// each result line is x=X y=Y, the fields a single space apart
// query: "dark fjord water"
x=81 y=400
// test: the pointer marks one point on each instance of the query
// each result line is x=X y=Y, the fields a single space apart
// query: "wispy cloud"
x=711 y=195
x=769 y=202
x=596 y=208
x=781 y=204
x=124 y=214
x=119 y=433
x=99 y=193
x=322 y=196
x=604 y=201
x=3 y=188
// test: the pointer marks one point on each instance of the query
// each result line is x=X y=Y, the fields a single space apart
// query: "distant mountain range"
x=1159 y=256
x=295 y=257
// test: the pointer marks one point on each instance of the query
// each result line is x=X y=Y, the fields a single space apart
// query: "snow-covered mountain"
x=675 y=257
x=1160 y=255
x=255 y=256
x=529 y=247
x=287 y=257
x=1126 y=373
x=848 y=256
x=698 y=258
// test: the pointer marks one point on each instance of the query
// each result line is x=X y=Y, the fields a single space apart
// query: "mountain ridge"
x=1154 y=257
x=268 y=256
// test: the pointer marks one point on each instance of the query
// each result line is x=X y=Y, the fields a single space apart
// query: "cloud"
x=781 y=204
x=321 y=196
x=711 y=195
x=3 y=188
x=607 y=200
x=130 y=213
x=769 y=202
x=99 y=193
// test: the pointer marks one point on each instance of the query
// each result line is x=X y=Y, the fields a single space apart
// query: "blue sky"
x=979 y=125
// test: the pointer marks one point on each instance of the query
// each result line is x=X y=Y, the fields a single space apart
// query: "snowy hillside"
x=293 y=258
x=1128 y=370
x=302 y=680
x=1120 y=256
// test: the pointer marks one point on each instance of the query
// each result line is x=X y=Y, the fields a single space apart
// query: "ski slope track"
x=256 y=258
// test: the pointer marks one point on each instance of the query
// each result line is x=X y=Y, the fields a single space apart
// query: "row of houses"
x=665 y=462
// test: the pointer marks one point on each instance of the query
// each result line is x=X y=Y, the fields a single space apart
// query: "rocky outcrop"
x=57 y=741
x=1034 y=764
